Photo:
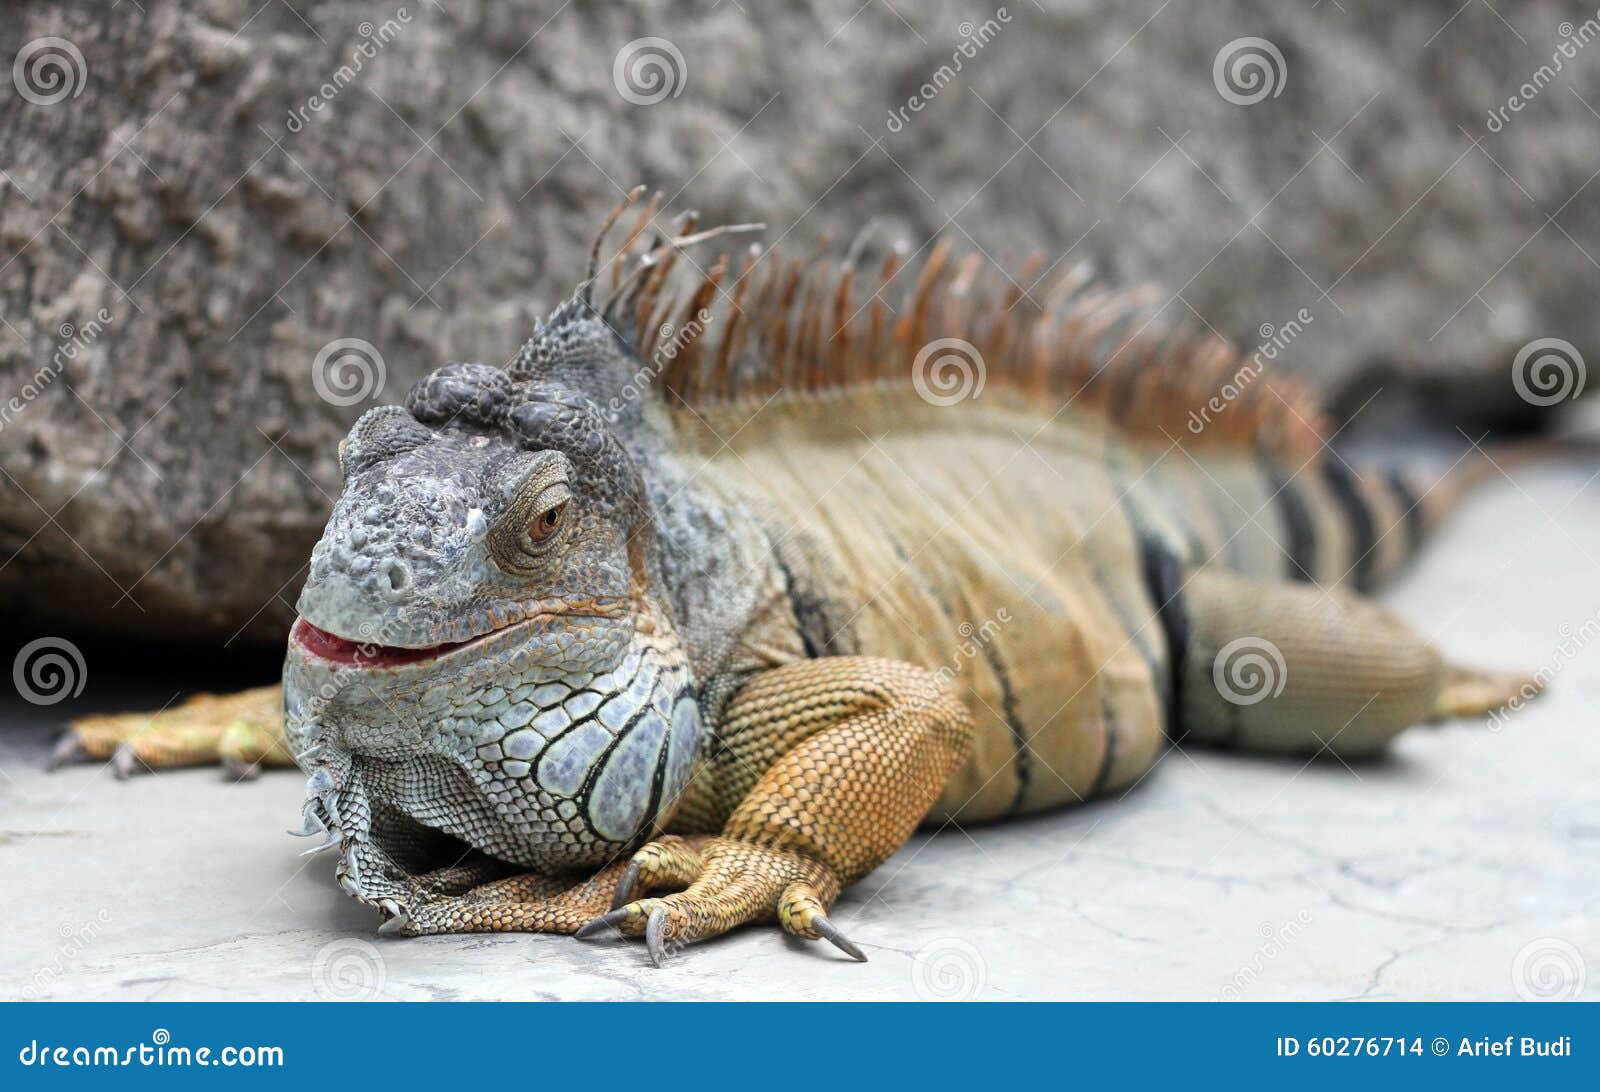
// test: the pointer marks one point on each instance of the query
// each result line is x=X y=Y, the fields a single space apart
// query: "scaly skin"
x=570 y=660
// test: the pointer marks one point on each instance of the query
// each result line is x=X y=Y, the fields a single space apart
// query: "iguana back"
x=1005 y=524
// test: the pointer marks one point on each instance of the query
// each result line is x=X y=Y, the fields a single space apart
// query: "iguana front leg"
x=243 y=731
x=825 y=768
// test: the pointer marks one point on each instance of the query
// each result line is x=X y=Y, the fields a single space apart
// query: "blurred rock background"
x=198 y=198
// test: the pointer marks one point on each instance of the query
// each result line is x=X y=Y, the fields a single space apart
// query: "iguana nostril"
x=399 y=575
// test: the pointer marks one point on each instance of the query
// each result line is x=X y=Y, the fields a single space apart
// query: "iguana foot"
x=1470 y=692
x=725 y=883
x=461 y=877
x=241 y=731
x=528 y=903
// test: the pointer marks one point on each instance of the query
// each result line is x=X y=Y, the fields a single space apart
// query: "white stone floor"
x=1465 y=865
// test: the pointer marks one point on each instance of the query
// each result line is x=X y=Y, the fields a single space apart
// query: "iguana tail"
x=1428 y=497
x=1349 y=521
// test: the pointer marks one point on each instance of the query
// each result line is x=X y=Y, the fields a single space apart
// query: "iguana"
x=689 y=615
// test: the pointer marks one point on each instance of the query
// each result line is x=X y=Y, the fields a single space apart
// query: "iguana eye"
x=548 y=523
x=537 y=516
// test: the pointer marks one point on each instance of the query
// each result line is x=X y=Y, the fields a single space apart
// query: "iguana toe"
x=726 y=883
x=669 y=863
x=1471 y=692
x=125 y=761
x=395 y=916
x=69 y=748
x=239 y=769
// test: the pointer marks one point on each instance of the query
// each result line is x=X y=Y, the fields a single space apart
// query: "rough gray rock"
x=170 y=476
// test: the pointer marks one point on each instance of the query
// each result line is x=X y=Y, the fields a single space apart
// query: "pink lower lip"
x=327 y=646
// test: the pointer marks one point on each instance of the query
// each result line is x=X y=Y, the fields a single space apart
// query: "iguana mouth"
x=365 y=654
x=370 y=655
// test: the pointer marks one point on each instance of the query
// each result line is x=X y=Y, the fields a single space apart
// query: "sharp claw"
x=124 y=763
x=830 y=933
x=625 y=886
x=611 y=918
x=240 y=770
x=69 y=748
x=329 y=842
x=313 y=825
x=395 y=916
x=652 y=935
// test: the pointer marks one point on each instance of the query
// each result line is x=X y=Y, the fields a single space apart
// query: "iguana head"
x=482 y=655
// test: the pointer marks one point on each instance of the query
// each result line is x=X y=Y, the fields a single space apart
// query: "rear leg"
x=1292 y=668
x=242 y=731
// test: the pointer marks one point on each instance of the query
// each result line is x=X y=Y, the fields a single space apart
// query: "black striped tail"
x=1342 y=522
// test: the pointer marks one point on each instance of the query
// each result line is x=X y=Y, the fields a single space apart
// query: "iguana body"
x=778 y=603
